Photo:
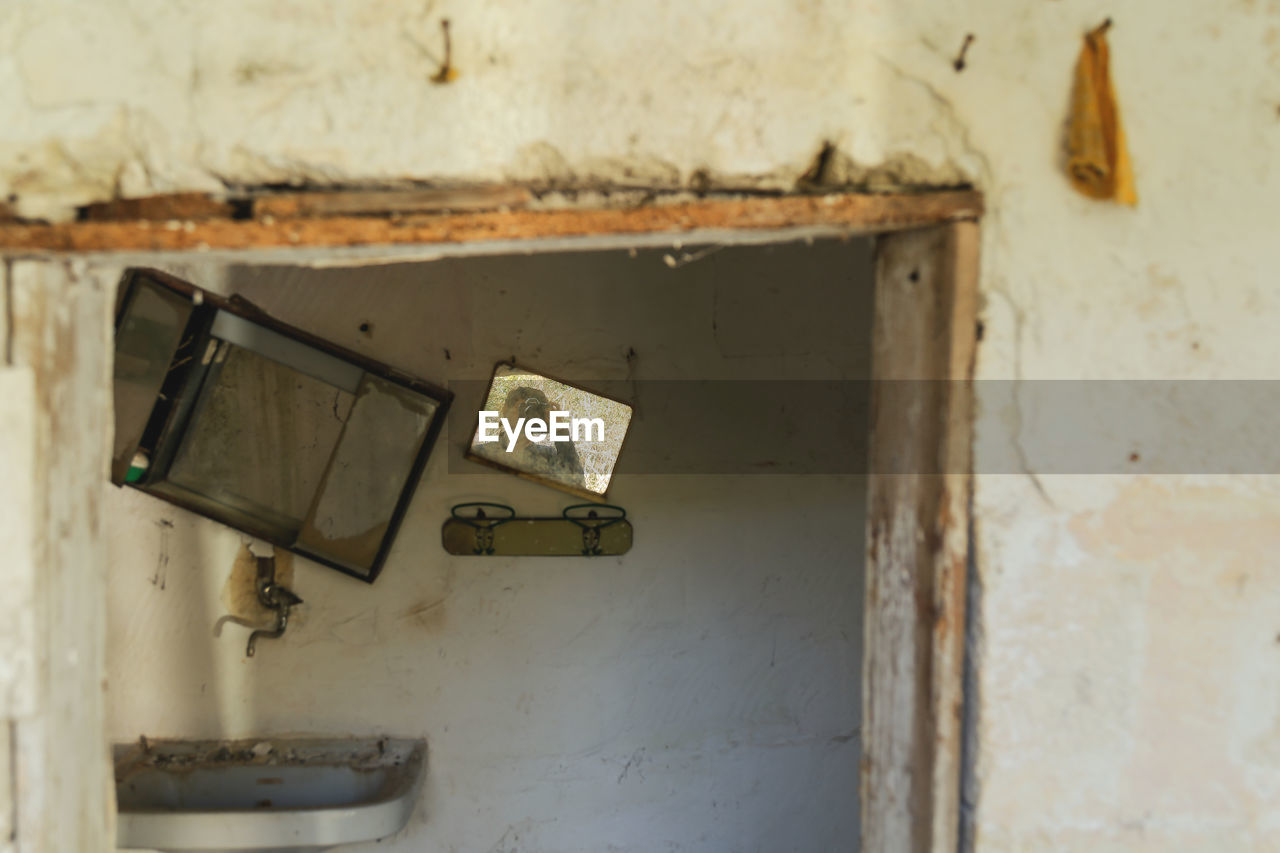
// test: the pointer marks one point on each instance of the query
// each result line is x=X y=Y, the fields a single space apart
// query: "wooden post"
x=917 y=537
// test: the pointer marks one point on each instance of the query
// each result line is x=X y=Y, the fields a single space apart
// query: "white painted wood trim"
x=59 y=322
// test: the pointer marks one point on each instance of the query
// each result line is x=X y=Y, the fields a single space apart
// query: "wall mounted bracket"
x=483 y=529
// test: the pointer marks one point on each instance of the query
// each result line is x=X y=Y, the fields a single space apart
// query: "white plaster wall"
x=165 y=96
x=701 y=693
x=1129 y=665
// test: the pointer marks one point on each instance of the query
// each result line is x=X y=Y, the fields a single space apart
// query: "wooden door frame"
x=924 y=339
x=918 y=523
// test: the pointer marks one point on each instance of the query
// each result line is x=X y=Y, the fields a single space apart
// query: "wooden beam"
x=180 y=206
x=388 y=202
x=855 y=213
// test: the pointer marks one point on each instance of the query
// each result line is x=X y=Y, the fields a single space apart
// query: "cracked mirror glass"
x=260 y=438
x=374 y=456
x=231 y=414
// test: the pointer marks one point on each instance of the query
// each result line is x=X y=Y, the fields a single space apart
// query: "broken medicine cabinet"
x=229 y=413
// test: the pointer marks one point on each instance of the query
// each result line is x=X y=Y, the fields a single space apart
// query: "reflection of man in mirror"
x=555 y=460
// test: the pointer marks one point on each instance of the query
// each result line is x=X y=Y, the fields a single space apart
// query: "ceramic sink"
x=287 y=795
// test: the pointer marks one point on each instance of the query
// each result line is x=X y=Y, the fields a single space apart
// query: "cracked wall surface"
x=1129 y=668
x=167 y=97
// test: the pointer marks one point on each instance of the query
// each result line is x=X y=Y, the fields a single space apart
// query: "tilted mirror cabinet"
x=227 y=412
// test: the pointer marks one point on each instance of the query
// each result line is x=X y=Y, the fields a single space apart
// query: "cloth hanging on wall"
x=1097 y=153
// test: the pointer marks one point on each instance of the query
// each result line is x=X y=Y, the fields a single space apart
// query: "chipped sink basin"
x=287 y=795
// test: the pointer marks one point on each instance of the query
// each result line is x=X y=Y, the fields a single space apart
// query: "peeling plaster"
x=194 y=104
x=701 y=94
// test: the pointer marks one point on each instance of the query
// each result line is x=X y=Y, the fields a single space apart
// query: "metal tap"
x=274 y=597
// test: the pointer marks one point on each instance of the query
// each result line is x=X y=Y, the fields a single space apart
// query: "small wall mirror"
x=549 y=431
x=230 y=413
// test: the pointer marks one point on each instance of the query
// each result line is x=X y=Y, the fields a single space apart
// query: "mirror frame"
x=169 y=420
x=471 y=456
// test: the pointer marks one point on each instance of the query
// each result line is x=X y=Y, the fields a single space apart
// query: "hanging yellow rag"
x=1097 y=156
